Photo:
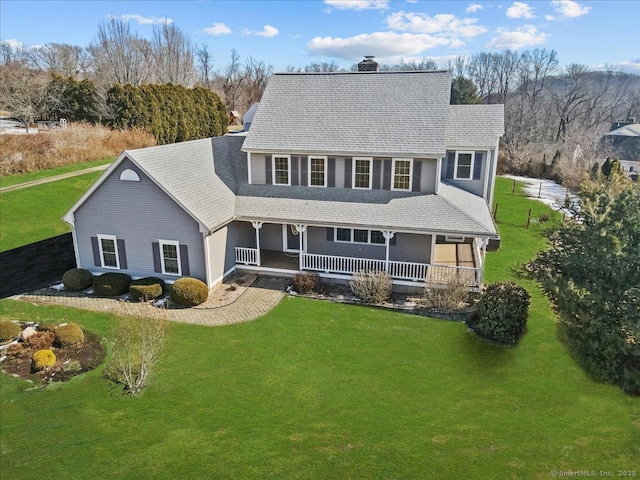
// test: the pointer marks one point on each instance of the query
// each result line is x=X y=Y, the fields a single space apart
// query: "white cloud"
x=628 y=66
x=520 y=10
x=384 y=45
x=438 y=24
x=412 y=1
x=218 y=28
x=358 y=4
x=569 y=8
x=549 y=17
x=524 y=36
x=267 y=31
x=14 y=44
x=145 y=20
x=473 y=7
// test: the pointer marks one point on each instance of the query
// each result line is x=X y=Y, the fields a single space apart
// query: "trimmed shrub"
x=501 y=313
x=111 y=284
x=77 y=279
x=43 y=359
x=145 y=289
x=306 y=282
x=8 y=330
x=40 y=341
x=372 y=287
x=68 y=334
x=448 y=297
x=189 y=292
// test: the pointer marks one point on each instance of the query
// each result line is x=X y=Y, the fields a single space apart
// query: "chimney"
x=368 y=64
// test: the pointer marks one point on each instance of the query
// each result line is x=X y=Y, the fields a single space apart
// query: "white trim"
x=273 y=168
x=326 y=167
x=433 y=249
x=74 y=237
x=179 y=260
x=393 y=173
x=353 y=172
x=438 y=173
x=485 y=187
x=114 y=239
x=207 y=259
x=249 y=168
x=129 y=175
x=454 y=238
x=285 y=239
x=368 y=230
x=455 y=165
x=494 y=171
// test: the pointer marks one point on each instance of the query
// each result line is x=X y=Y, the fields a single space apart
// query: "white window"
x=170 y=257
x=281 y=170
x=318 y=171
x=108 y=251
x=463 y=167
x=362 y=172
x=355 y=235
x=402 y=174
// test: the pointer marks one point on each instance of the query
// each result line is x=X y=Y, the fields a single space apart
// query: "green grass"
x=320 y=390
x=11 y=180
x=35 y=213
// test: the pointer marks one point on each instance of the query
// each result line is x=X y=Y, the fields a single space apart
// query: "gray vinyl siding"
x=428 y=175
x=217 y=244
x=411 y=248
x=139 y=213
x=239 y=234
x=270 y=237
x=473 y=186
x=317 y=243
x=340 y=172
x=258 y=170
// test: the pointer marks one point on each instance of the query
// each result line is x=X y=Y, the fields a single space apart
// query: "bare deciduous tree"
x=59 y=58
x=256 y=74
x=173 y=56
x=232 y=82
x=205 y=65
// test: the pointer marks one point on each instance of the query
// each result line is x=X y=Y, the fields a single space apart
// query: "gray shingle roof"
x=382 y=113
x=472 y=126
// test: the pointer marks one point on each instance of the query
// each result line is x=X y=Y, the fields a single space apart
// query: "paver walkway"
x=256 y=300
x=62 y=176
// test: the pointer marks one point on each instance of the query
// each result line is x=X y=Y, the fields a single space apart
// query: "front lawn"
x=10 y=180
x=320 y=390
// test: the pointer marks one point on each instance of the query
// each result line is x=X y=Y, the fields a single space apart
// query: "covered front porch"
x=444 y=260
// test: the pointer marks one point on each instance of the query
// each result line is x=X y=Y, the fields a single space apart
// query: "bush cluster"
x=189 y=292
x=8 y=330
x=68 y=334
x=146 y=289
x=77 y=279
x=43 y=359
x=372 y=287
x=447 y=297
x=111 y=284
x=501 y=313
x=306 y=282
x=40 y=340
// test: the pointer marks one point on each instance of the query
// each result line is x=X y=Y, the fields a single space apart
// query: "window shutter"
x=417 y=171
x=267 y=167
x=294 y=171
x=96 y=252
x=477 y=166
x=122 y=254
x=155 y=246
x=451 y=159
x=348 y=163
x=331 y=173
x=377 y=175
x=392 y=240
x=386 y=175
x=304 y=175
x=184 y=259
x=330 y=235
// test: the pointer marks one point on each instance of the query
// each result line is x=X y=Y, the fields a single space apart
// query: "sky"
x=286 y=33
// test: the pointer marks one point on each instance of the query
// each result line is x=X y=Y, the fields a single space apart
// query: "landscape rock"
x=28 y=332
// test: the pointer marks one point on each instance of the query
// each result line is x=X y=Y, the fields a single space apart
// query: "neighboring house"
x=247 y=118
x=340 y=172
x=624 y=140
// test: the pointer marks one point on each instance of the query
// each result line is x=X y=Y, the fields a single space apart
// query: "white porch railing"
x=444 y=273
x=334 y=264
x=247 y=256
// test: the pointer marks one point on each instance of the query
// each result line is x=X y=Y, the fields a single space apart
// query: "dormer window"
x=282 y=170
x=318 y=171
x=362 y=172
x=402 y=171
x=463 y=166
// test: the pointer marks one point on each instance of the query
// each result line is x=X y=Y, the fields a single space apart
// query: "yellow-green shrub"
x=43 y=359
x=145 y=289
x=68 y=334
x=189 y=292
x=8 y=330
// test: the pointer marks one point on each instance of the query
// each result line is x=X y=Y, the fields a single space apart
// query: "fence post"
x=528 y=218
x=540 y=190
x=495 y=211
x=513 y=188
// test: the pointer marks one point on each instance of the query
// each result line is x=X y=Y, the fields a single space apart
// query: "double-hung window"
x=362 y=172
x=170 y=257
x=402 y=171
x=318 y=171
x=108 y=251
x=463 y=168
x=355 y=235
x=281 y=170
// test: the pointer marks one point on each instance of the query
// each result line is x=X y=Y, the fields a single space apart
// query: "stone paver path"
x=256 y=300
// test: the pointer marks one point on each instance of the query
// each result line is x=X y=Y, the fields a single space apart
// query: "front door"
x=291 y=239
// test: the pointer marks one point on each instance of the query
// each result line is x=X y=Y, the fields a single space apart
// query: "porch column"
x=301 y=229
x=485 y=242
x=388 y=235
x=257 y=226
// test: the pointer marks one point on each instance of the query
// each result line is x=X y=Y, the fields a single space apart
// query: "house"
x=247 y=118
x=340 y=172
x=624 y=140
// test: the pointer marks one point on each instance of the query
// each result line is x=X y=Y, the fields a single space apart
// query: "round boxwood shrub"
x=111 y=284
x=501 y=313
x=43 y=359
x=189 y=292
x=8 y=330
x=68 y=334
x=145 y=289
x=77 y=279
